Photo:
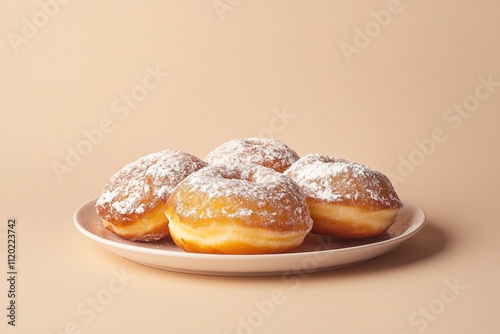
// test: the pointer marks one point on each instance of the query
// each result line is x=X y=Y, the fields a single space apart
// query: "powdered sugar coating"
x=141 y=185
x=247 y=194
x=266 y=152
x=335 y=180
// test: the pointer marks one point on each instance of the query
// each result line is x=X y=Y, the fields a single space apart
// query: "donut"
x=238 y=209
x=266 y=152
x=346 y=199
x=133 y=201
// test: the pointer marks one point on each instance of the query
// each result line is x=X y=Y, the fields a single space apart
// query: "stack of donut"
x=248 y=196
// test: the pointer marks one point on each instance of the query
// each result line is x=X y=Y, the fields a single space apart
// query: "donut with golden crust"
x=346 y=199
x=238 y=209
x=133 y=201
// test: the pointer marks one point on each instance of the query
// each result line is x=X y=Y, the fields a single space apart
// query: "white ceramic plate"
x=317 y=253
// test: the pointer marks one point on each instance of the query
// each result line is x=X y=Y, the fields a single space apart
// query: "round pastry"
x=133 y=201
x=266 y=152
x=346 y=199
x=238 y=209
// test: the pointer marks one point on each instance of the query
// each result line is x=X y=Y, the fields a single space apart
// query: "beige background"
x=233 y=66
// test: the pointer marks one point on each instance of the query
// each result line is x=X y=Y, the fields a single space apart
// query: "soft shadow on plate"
x=428 y=243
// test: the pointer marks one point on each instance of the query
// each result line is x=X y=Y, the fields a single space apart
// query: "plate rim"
x=413 y=229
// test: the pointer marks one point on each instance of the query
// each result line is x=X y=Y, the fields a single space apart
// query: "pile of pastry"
x=248 y=196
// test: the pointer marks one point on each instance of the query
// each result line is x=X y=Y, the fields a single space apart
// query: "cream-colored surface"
x=97 y=84
x=150 y=227
x=354 y=221
x=231 y=240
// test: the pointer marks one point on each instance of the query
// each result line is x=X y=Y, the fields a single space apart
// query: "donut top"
x=141 y=185
x=266 y=152
x=248 y=194
x=335 y=180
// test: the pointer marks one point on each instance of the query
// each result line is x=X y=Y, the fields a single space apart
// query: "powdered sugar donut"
x=270 y=153
x=133 y=201
x=238 y=209
x=346 y=199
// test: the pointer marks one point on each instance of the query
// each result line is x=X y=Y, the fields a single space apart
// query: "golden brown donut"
x=270 y=153
x=346 y=199
x=238 y=209
x=133 y=201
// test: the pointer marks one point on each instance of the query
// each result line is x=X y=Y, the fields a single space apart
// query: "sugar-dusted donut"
x=238 y=209
x=346 y=199
x=133 y=201
x=266 y=152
